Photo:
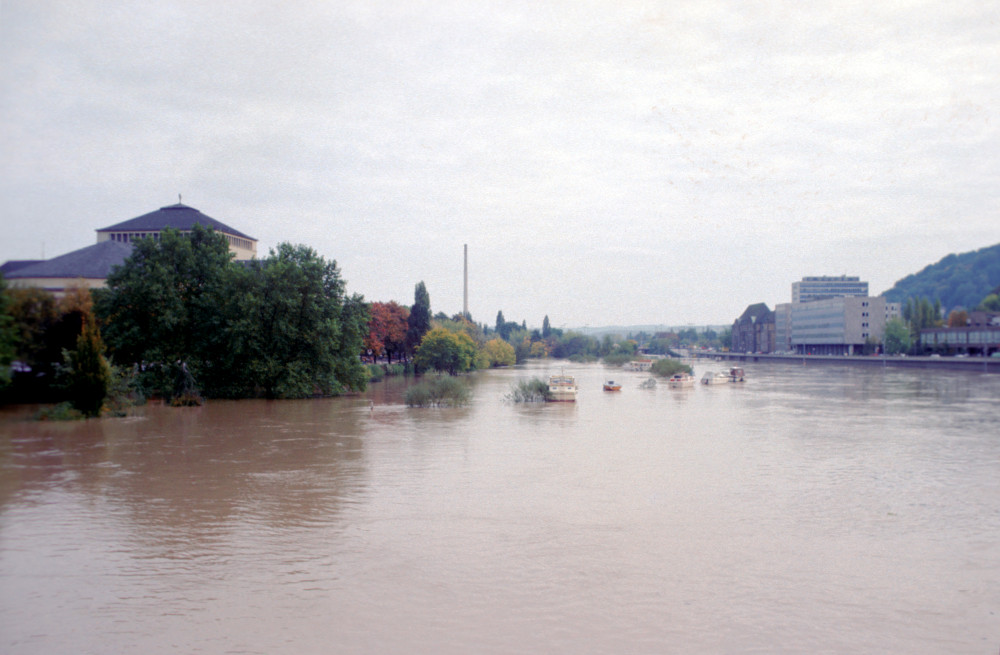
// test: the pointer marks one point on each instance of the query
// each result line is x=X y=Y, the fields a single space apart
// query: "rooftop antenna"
x=178 y=198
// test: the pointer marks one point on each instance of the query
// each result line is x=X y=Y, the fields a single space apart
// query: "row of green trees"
x=57 y=347
x=280 y=327
x=902 y=335
x=181 y=319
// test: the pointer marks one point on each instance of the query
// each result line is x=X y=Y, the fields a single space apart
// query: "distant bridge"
x=970 y=364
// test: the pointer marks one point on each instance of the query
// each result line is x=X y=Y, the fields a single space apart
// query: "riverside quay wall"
x=970 y=364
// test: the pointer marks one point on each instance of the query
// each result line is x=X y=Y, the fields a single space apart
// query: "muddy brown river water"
x=820 y=510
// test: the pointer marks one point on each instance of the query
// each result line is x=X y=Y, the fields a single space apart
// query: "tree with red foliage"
x=387 y=329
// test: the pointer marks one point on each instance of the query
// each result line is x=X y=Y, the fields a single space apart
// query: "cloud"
x=599 y=157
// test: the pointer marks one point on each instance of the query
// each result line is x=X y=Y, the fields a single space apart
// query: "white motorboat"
x=718 y=377
x=680 y=381
x=562 y=388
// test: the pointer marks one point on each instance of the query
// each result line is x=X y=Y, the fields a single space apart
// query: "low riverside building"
x=980 y=337
x=89 y=267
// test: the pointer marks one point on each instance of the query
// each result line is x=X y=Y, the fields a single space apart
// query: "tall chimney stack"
x=465 y=294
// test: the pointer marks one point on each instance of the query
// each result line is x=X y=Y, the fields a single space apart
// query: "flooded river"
x=820 y=510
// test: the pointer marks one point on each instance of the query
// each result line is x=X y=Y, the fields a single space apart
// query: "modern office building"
x=813 y=288
x=837 y=326
x=783 y=327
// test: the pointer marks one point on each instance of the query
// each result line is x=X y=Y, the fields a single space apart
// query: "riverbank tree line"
x=181 y=320
x=902 y=334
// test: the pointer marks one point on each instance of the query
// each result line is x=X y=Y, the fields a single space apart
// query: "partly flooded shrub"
x=399 y=369
x=375 y=372
x=61 y=412
x=534 y=390
x=444 y=391
x=187 y=399
x=419 y=395
x=123 y=392
x=616 y=359
x=667 y=367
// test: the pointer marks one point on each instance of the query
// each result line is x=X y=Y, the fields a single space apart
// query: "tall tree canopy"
x=291 y=330
x=387 y=329
x=419 y=321
x=163 y=304
x=279 y=327
x=8 y=336
x=444 y=350
x=43 y=329
x=897 y=337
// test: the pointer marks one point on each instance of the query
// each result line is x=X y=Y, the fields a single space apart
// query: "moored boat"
x=611 y=385
x=562 y=388
x=719 y=377
x=680 y=380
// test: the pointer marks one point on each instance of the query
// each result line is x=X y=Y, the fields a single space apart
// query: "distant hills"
x=957 y=280
x=624 y=330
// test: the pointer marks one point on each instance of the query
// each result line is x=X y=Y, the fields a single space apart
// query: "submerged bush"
x=375 y=372
x=667 y=367
x=378 y=372
x=123 y=392
x=61 y=412
x=617 y=359
x=440 y=392
x=399 y=369
x=534 y=390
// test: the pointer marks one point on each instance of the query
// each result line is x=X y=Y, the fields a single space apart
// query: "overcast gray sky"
x=606 y=162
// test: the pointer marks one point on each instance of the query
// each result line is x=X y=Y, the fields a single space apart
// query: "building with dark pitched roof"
x=183 y=219
x=12 y=265
x=90 y=266
x=87 y=267
x=753 y=331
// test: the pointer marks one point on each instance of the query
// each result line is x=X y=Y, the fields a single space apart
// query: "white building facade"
x=835 y=326
x=820 y=287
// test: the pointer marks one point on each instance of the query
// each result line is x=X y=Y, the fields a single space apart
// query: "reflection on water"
x=817 y=509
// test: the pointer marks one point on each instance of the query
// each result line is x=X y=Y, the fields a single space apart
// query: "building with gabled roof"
x=754 y=330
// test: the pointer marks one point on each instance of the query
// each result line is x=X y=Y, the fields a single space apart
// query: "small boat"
x=719 y=377
x=562 y=388
x=680 y=380
x=736 y=374
x=611 y=385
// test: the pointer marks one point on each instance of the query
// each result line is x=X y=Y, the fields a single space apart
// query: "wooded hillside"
x=957 y=280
